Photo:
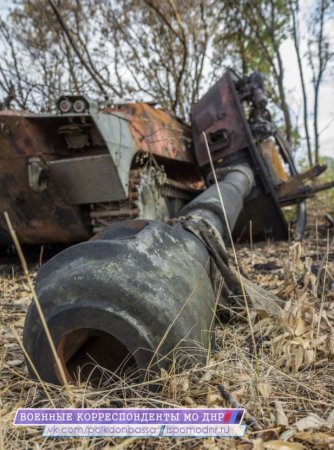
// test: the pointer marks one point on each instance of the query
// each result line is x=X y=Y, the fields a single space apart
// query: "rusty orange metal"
x=159 y=133
x=274 y=161
x=58 y=214
x=38 y=217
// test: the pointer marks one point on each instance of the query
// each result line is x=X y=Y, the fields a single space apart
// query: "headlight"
x=79 y=106
x=65 y=106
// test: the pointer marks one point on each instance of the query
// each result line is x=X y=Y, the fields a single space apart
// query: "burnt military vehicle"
x=68 y=175
x=144 y=287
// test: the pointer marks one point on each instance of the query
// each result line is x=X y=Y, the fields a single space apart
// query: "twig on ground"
x=250 y=420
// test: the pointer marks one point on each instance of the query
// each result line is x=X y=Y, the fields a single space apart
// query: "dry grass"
x=288 y=386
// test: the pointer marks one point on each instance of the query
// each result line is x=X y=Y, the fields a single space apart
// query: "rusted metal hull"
x=37 y=217
x=55 y=168
x=65 y=176
x=157 y=132
x=221 y=116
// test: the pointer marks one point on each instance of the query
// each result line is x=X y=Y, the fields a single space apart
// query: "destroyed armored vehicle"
x=68 y=175
x=160 y=199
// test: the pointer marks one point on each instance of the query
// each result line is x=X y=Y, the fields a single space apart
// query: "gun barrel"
x=139 y=295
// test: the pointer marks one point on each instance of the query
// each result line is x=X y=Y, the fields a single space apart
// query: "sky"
x=326 y=110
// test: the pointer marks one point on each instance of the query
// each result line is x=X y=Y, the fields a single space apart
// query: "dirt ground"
x=286 y=383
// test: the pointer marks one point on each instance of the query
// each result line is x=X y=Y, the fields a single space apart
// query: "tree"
x=319 y=54
x=295 y=32
x=164 y=46
x=257 y=30
x=39 y=61
x=167 y=51
x=135 y=47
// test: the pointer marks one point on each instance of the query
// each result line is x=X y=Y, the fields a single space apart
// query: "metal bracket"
x=36 y=175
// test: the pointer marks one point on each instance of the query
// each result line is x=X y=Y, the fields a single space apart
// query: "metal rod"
x=114 y=213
